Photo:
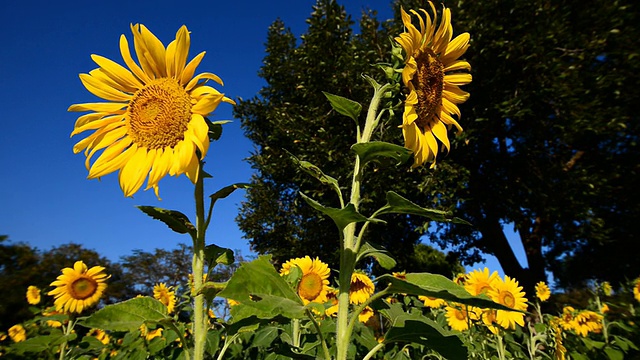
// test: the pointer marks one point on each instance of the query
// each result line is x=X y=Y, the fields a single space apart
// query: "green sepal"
x=175 y=220
x=380 y=255
x=436 y=286
x=317 y=173
x=127 y=315
x=215 y=128
x=262 y=292
x=342 y=217
x=416 y=328
x=377 y=150
x=344 y=106
x=397 y=204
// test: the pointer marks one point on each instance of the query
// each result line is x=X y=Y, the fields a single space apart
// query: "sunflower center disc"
x=158 y=114
x=461 y=315
x=83 y=288
x=428 y=82
x=310 y=286
x=509 y=300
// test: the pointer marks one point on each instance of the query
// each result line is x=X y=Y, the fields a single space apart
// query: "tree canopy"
x=549 y=150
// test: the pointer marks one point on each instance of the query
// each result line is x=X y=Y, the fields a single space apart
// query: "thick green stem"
x=373 y=351
x=199 y=319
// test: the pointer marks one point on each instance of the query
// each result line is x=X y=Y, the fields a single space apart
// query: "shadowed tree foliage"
x=291 y=115
x=549 y=155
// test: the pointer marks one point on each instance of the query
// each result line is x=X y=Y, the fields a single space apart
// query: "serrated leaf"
x=421 y=330
x=377 y=150
x=317 y=173
x=262 y=292
x=344 y=106
x=175 y=220
x=227 y=190
x=436 y=286
x=127 y=315
x=342 y=217
x=397 y=204
x=382 y=256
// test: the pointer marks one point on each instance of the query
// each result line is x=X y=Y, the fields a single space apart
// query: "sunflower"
x=587 y=321
x=606 y=288
x=509 y=294
x=164 y=294
x=432 y=302
x=489 y=318
x=17 y=333
x=153 y=122
x=361 y=288
x=459 y=317
x=365 y=315
x=636 y=289
x=33 y=295
x=79 y=287
x=480 y=281
x=460 y=279
x=99 y=334
x=314 y=284
x=432 y=75
x=332 y=300
x=542 y=291
x=566 y=320
x=604 y=309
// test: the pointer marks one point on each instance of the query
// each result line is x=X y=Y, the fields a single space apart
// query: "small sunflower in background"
x=542 y=291
x=33 y=295
x=78 y=288
x=480 y=281
x=165 y=295
x=314 y=283
x=361 y=288
x=432 y=76
x=99 y=334
x=636 y=289
x=17 y=333
x=153 y=121
x=510 y=294
x=432 y=302
x=459 y=316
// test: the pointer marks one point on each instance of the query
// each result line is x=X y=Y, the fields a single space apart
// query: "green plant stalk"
x=295 y=332
x=500 y=347
x=199 y=328
x=67 y=332
x=373 y=351
x=351 y=244
x=227 y=341
x=325 y=349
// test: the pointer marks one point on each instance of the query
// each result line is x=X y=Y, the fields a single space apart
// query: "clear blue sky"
x=45 y=198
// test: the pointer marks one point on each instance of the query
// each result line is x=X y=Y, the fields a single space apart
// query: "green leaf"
x=613 y=354
x=127 y=315
x=344 y=106
x=397 y=204
x=41 y=343
x=215 y=128
x=227 y=190
x=382 y=256
x=264 y=337
x=377 y=150
x=342 y=217
x=262 y=292
x=175 y=220
x=418 y=329
x=214 y=254
x=436 y=286
x=315 y=171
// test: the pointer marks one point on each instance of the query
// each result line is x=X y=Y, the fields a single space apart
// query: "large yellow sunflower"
x=510 y=294
x=153 y=122
x=33 y=295
x=542 y=291
x=433 y=75
x=480 y=281
x=79 y=287
x=162 y=293
x=314 y=284
x=361 y=288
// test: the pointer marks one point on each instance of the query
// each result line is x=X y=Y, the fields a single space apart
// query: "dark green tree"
x=291 y=115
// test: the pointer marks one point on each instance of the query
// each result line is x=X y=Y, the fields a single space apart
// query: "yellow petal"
x=207 y=104
x=454 y=94
x=100 y=89
x=458 y=65
x=440 y=132
x=126 y=56
x=456 y=48
x=97 y=124
x=99 y=107
x=206 y=76
x=190 y=69
x=183 y=42
x=110 y=160
x=457 y=79
x=134 y=172
x=118 y=73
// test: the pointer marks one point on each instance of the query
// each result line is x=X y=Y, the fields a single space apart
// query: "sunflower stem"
x=199 y=328
x=351 y=244
x=67 y=332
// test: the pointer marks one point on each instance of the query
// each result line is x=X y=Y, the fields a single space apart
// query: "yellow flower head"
x=542 y=291
x=17 y=333
x=636 y=289
x=402 y=275
x=432 y=302
x=153 y=121
x=79 y=287
x=365 y=315
x=459 y=316
x=490 y=318
x=604 y=309
x=332 y=298
x=150 y=334
x=510 y=294
x=480 y=281
x=587 y=321
x=54 y=323
x=232 y=302
x=164 y=294
x=314 y=284
x=99 y=334
x=460 y=279
x=33 y=295
x=606 y=288
x=433 y=75
x=566 y=320
x=361 y=288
